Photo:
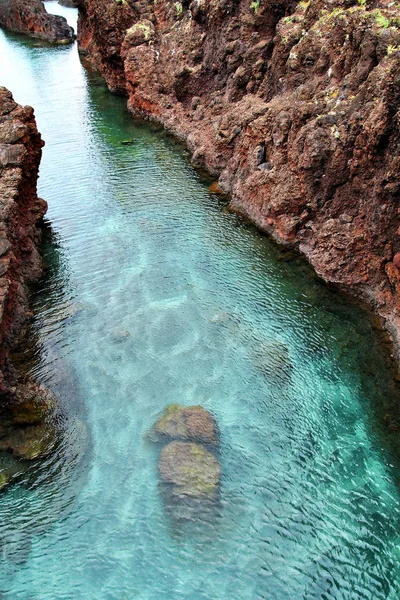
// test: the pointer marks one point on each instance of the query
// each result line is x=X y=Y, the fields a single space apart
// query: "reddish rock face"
x=30 y=17
x=294 y=106
x=20 y=213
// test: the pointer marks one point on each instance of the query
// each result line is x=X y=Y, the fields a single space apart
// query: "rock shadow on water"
x=188 y=467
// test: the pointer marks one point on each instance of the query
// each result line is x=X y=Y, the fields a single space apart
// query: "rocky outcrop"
x=30 y=17
x=27 y=429
x=20 y=214
x=294 y=106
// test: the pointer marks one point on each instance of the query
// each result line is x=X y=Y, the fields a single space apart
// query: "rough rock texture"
x=69 y=3
x=189 y=469
x=30 y=17
x=190 y=423
x=188 y=466
x=295 y=106
x=20 y=213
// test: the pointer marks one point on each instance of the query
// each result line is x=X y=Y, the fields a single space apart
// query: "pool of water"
x=154 y=294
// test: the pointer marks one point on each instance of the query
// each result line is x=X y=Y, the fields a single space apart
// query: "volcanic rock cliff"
x=30 y=17
x=20 y=213
x=295 y=106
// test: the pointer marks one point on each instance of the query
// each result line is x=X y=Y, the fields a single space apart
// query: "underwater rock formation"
x=189 y=423
x=294 y=105
x=188 y=467
x=31 y=18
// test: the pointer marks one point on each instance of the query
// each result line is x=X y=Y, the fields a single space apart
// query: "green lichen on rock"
x=179 y=9
x=140 y=33
x=190 y=469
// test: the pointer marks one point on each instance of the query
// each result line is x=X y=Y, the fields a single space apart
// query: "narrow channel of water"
x=154 y=294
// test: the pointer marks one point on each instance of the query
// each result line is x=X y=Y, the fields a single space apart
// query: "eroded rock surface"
x=30 y=17
x=20 y=214
x=294 y=105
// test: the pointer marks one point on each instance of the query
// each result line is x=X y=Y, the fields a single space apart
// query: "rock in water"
x=31 y=18
x=36 y=441
x=33 y=404
x=190 y=423
x=190 y=469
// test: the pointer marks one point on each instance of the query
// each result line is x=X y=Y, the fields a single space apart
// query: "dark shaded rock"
x=191 y=423
x=190 y=469
x=31 y=18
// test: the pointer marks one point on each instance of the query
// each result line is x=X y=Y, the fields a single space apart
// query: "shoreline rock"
x=31 y=18
x=292 y=105
x=27 y=430
x=21 y=212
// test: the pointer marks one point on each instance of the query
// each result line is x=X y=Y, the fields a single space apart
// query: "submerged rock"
x=191 y=423
x=31 y=18
x=35 y=441
x=26 y=430
x=33 y=404
x=188 y=466
x=272 y=358
x=190 y=469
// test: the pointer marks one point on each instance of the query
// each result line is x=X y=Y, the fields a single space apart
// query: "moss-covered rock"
x=190 y=469
x=190 y=423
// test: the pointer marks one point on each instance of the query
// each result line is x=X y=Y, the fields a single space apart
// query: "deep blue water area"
x=154 y=294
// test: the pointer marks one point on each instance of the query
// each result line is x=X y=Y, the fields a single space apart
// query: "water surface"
x=154 y=294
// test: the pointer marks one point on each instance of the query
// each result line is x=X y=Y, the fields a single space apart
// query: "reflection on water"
x=154 y=295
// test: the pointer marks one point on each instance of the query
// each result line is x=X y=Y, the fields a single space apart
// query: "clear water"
x=154 y=294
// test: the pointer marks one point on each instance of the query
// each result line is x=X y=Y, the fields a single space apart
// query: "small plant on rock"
x=178 y=8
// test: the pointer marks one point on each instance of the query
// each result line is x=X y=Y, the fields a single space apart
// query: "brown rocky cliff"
x=20 y=213
x=295 y=106
x=30 y=17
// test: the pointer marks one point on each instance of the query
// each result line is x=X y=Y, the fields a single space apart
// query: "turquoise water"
x=154 y=294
